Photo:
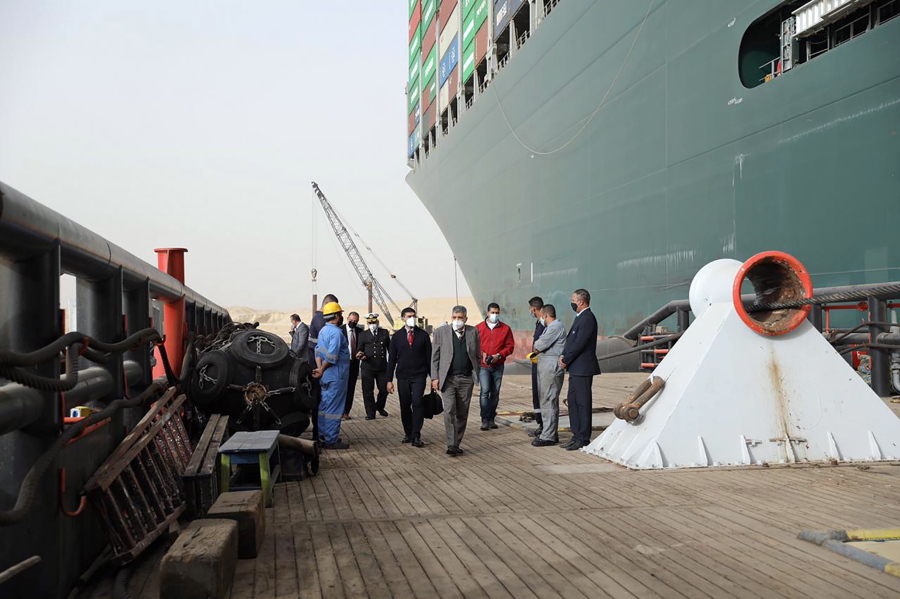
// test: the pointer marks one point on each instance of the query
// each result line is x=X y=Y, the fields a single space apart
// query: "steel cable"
x=843 y=296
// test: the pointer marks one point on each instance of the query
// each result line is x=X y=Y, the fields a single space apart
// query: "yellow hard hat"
x=331 y=308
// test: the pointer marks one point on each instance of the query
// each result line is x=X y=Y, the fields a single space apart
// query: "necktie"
x=410 y=337
x=352 y=342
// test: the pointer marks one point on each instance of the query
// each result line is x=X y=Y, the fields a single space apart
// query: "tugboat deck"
x=510 y=520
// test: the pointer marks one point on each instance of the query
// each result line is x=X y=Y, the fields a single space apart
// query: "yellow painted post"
x=224 y=472
x=265 y=478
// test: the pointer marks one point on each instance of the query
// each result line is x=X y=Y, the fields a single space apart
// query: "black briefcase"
x=432 y=404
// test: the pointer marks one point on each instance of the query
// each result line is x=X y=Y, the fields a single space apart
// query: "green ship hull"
x=682 y=165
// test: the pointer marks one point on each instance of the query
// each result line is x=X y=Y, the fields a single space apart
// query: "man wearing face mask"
x=332 y=368
x=580 y=360
x=373 y=353
x=454 y=367
x=352 y=331
x=497 y=344
x=549 y=347
x=534 y=306
x=410 y=359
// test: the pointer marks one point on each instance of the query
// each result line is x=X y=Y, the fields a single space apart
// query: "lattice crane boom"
x=379 y=295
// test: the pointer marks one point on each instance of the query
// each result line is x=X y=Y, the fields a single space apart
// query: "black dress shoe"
x=575 y=446
x=566 y=445
x=383 y=413
x=453 y=450
x=493 y=424
x=406 y=439
x=536 y=432
x=543 y=442
x=484 y=425
x=417 y=443
x=370 y=418
x=337 y=445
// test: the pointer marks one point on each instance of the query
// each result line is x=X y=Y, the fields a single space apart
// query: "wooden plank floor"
x=509 y=520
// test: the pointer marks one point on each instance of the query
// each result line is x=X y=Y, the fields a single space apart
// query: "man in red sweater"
x=497 y=344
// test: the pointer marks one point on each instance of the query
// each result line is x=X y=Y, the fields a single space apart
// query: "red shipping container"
x=414 y=118
x=428 y=38
x=481 y=43
x=414 y=20
x=445 y=10
x=430 y=117
x=453 y=82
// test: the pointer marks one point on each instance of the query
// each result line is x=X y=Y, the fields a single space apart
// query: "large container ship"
x=620 y=145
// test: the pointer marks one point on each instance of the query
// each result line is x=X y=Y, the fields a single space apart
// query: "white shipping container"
x=450 y=29
x=818 y=13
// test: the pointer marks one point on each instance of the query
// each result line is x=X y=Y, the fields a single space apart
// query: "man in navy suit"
x=580 y=360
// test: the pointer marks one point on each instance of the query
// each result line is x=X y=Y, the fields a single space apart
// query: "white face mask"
x=373 y=327
x=493 y=318
x=411 y=321
x=458 y=324
x=543 y=323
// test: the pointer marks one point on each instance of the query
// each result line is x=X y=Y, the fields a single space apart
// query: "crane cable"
x=592 y=115
x=365 y=244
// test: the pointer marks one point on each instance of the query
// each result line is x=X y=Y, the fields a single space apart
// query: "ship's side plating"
x=682 y=165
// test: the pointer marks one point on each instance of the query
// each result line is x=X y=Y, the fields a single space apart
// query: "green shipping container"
x=468 y=60
x=415 y=67
x=429 y=91
x=429 y=67
x=412 y=6
x=415 y=43
x=472 y=23
x=467 y=6
x=413 y=95
x=428 y=13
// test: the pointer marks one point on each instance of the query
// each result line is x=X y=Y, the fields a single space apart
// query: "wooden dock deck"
x=510 y=520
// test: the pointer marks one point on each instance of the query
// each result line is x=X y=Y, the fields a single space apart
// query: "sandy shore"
x=435 y=310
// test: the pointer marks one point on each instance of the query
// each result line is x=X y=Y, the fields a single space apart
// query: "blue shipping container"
x=450 y=60
x=503 y=12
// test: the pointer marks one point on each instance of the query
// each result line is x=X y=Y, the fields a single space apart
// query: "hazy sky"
x=201 y=124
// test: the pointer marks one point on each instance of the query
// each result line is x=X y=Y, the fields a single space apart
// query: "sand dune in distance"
x=435 y=310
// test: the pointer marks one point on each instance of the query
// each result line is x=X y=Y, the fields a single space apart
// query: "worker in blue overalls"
x=332 y=370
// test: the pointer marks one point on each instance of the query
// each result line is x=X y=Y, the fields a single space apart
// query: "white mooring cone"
x=743 y=389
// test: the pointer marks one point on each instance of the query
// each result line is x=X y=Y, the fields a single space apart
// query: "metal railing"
x=877 y=336
x=114 y=293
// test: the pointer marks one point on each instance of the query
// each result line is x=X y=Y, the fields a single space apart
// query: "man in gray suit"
x=455 y=360
x=299 y=336
x=549 y=347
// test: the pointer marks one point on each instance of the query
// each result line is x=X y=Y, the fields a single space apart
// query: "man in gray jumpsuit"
x=549 y=347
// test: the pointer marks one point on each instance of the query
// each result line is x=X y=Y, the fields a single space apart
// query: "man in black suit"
x=352 y=331
x=410 y=359
x=373 y=353
x=580 y=360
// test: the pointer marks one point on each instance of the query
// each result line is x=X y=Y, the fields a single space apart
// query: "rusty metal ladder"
x=138 y=491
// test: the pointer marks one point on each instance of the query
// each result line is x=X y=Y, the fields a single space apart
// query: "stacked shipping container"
x=448 y=41
x=429 y=66
x=448 y=48
x=413 y=86
x=474 y=36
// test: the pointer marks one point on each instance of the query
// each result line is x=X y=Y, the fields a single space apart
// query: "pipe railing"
x=114 y=293
x=879 y=338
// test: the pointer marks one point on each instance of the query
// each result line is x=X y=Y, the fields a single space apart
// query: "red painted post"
x=171 y=261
